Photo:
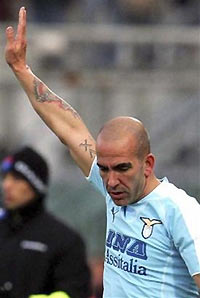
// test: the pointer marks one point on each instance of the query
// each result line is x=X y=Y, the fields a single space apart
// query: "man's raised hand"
x=15 y=51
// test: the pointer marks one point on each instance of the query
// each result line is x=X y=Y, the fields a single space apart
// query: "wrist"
x=18 y=69
x=22 y=72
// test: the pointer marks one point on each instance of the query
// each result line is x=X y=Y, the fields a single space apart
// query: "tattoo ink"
x=43 y=94
x=88 y=148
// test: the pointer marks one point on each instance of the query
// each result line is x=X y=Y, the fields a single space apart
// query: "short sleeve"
x=95 y=179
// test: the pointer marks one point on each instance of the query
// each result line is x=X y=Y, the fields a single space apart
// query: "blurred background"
x=107 y=58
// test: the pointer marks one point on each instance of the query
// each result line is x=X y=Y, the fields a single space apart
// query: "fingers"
x=21 y=29
x=15 y=50
x=10 y=35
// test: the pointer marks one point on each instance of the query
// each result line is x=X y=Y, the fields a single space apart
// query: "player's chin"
x=119 y=198
x=120 y=202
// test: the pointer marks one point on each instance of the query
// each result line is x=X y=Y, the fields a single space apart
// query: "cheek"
x=128 y=181
x=136 y=179
x=19 y=191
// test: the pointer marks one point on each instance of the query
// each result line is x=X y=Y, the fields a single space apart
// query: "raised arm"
x=59 y=116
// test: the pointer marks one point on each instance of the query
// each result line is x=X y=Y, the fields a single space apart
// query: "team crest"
x=147 y=229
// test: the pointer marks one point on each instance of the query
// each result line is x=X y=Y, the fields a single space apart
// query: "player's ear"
x=149 y=164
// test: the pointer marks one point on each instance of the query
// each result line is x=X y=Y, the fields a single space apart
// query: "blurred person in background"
x=39 y=253
x=153 y=235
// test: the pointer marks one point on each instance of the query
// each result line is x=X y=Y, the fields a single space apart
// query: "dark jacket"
x=40 y=255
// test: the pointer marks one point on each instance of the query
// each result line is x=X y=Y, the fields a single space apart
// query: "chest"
x=138 y=232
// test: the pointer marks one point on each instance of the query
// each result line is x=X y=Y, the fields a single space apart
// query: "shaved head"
x=127 y=128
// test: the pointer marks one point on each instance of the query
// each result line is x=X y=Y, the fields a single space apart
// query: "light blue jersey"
x=152 y=246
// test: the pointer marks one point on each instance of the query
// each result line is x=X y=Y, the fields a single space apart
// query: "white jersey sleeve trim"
x=95 y=179
x=196 y=273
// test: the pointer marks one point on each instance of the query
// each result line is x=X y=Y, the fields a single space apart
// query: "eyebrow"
x=118 y=166
x=101 y=166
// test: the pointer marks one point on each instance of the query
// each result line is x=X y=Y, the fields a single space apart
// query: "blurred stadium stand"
x=150 y=72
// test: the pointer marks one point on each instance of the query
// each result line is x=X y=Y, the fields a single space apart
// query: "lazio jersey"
x=152 y=247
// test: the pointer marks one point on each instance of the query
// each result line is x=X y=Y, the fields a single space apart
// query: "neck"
x=152 y=183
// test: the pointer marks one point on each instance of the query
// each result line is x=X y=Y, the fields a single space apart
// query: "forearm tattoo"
x=43 y=94
x=87 y=148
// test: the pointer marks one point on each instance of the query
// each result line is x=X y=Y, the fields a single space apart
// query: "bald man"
x=153 y=236
x=122 y=143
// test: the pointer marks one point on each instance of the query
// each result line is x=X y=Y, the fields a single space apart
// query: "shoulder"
x=174 y=196
x=180 y=197
x=172 y=202
x=179 y=206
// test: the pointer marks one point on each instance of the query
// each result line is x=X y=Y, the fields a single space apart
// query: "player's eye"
x=123 y=167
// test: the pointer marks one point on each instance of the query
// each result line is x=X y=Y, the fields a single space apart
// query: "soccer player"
x=153 y=236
